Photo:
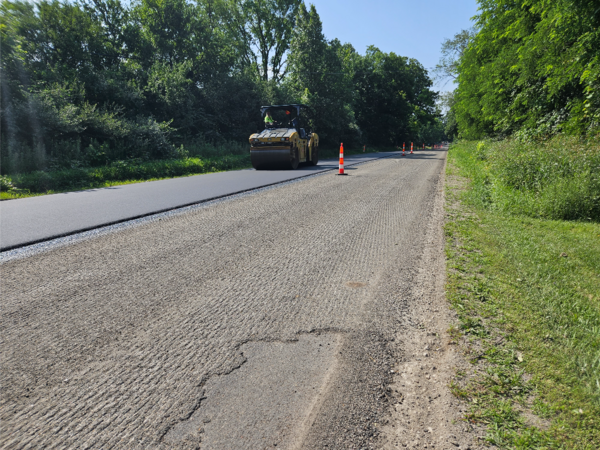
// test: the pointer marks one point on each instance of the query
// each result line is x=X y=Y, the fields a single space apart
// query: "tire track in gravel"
x=110 y=342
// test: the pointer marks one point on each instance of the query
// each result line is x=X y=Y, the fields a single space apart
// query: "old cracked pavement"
x=265 y=320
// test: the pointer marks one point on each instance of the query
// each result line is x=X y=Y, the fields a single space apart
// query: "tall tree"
x=452 y=51
x=263 y=29
x=394 y=97
x=532 y=68
x=317 y=77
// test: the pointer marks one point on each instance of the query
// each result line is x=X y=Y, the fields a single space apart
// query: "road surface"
x=269 y=320
x=34 y=219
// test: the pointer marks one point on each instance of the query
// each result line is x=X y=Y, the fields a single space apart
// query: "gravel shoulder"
x=288 y=316
x=425 y=413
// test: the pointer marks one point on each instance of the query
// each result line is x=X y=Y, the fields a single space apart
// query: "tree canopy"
x=532 y=68
x=91 y=81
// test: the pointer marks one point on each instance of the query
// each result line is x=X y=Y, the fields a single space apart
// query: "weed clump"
x=6 y=184
x=555 y=179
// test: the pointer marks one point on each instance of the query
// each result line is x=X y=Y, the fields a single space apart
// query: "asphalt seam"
x=4 y=250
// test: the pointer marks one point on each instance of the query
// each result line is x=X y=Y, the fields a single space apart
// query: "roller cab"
x=284 y=142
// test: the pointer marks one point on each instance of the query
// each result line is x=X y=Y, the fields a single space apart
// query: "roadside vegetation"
x=523 y=251
x=523 y=220
x=98 y=91
x=528 y=69
x=43 y=182
x=118 y=172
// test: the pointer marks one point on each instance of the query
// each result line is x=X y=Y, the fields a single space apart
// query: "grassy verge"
x=120 y=172
x=127 y=172
x=527 y=294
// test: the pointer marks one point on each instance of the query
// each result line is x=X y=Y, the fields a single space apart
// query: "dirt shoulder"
x=424 y=412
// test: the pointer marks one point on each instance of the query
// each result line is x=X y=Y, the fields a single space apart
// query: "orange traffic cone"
x=342 y=160
x=403 y=145
x=411 y=148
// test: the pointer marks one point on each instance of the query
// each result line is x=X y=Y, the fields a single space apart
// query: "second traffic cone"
x=341 y=172
x=411 y=148
x=403 y=145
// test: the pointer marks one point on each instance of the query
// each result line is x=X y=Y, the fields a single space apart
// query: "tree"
x=447 y=101
x=394 y=98
x=317 y=78
x=452 y=51
x=532 y=68
x=263 y=29
x=92 y=81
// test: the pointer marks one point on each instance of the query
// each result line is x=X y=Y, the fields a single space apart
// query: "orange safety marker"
x=403 y=145
x=342 y=160
x=364 y=148
x=423 y=146
x=411 y=148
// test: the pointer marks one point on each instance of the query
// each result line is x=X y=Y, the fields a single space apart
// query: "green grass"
x=527 y=294
x=120 y=172
x=554 y=179
x=128 y=172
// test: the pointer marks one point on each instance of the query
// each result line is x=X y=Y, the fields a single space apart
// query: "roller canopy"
x=297 y=108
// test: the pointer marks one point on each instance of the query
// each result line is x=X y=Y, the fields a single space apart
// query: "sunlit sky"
x=413 y=28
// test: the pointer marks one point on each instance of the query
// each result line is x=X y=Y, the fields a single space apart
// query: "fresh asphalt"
x=36 y=219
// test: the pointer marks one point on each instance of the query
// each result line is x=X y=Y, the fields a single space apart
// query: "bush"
x=554 y=179
x=6 y=184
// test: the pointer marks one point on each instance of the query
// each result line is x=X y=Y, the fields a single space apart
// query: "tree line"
x=528 y=68
x=88 y=82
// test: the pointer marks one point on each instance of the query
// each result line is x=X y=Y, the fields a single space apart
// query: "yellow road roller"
x=284 y=143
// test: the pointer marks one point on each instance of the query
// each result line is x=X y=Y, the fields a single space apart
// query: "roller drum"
x=274 y=158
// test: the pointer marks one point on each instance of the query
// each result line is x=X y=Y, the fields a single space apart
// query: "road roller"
x=284 y=143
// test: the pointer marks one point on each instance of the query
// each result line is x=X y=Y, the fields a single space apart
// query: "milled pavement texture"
x=271 y=320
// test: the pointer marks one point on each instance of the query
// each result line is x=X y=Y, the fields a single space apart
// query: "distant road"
x=35 y=219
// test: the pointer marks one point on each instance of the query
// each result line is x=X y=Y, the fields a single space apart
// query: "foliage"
x=452 y=51
x=264 y=29
x=393 y=97
x=122 y=171
x=557 y=179
x=90 y=82
x=533 y=67
x=431 y=132
x=447 y=100
x=318 y=79
x=6 y=184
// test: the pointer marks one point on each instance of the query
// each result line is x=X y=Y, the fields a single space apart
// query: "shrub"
x=554 y=179
x=6 y=184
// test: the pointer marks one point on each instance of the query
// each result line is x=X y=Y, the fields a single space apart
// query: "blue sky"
x=408 y=28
